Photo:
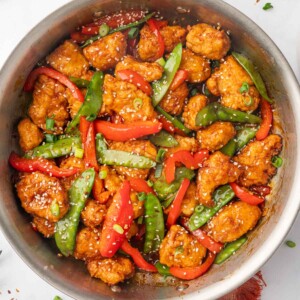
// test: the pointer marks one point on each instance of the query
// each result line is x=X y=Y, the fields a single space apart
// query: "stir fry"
x=146 y=146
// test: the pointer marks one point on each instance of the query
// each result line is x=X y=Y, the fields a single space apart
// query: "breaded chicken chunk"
x=255 y=161
x=111 y=270
x=30 y=135
x=216 y=170
x=149 y=71
x=45 y=227
x=40 y=194
x=141 y=147
x=49 y=101
x=93 y=213
x=227 y=81
x=119 y=97
x=197 y=66
x=233 y=221
x=180 y=249
x=138 y=206
x=105 y=53
x=173 y=35
x=184 y=143
x=68 y=59
x=207 y=41
x=173 y=101
x=190 y=200
x=195 y=104
x=215 y=136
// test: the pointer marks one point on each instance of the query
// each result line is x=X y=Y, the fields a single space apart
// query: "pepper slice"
x=117 y=222
x=125 y=132
x=78 y=37
x=140 y=185
x=163 y=139
x=84 y=126
x=179 y=78
x=154 y=27
x=90 y=158
x=190 y=273
x=245 y=196
x=38 y=164
x=168 y=126
x=32 y=77
x=137 y=257
x=66 y=228
x=267 y=118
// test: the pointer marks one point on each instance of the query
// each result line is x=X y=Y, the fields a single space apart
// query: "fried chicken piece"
x=93 y=213
x=45 y=227
x=105 y=53
x=119 y=96
x=197 y=66
x=184 y=143
x=195 y=104
x=39 y=192
x=138 y=206
x=227 y=81
x=68 y=59
x=111 y=270
x=30 y=135
x=190 y=200
x=255 y=161
x=217 y=170
x=233 y=221
x=173 y=35
x=149 y=71
x=180 y=249
x=207 y=41
x=215 y=136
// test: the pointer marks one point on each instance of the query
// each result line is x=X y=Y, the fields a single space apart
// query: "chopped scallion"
x=104 y=30
x=54 y=208
x=79 y=153
x=277 y=161
x=161 y=61
x=102 y=174
x=118 y=228
x=267 y=6
x=244 y=88
x=49 y=124
x=50 y=138
x=133 y=33
x=290 y=244
x=137 y=103
x=160 y=155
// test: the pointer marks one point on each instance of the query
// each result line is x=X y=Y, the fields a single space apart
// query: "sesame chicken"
x=39 y=192
x=255 y=161
x=190 y=200
x=233 y=221
x=216 y=170
x=138 y=206
x=30 y=135
x=93 y=213
x=173 y=35
x=184 y=143
x=45 y=227
x=180 y=249
x=105 y=53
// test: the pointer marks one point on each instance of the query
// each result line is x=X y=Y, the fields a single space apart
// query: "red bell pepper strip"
x=78 y=37
x=190 y=273
x=32 y=77
x=38 y=164
x=176 y=205
x=245 y=196
x=90 y=30
x=202 y=237
x=155 y=29
x=180 y=77
x=90 y=158
x=136 y=79
x=97 y=189
x=199 y=157
x=117 y=222
x=137 y=257
x=125 y=132
x=263 y=190
x=83 y=128
x=132 y=47
x=141 y=232
x=267 y=118
x=161 y=23
x=168 y=126
x=140 y=186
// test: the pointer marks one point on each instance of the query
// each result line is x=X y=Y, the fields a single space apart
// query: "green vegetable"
x=54 y=208
x=154 y=222
x=267 y=6
x=158 y=170
x=277 y=161
x=161 y=86
x=142 y=196
x=57 y=298
x=133 y=32
x=160 y=155
x=92 y=102
x=162 y=269
x=79 y=153
x=253 y=73
x=50 y=124
x=150 y=182
x=161 y=61
x=163 y=139
x=194 y=92
x=57 y=149
x=66 y=228
x=50 y=138
x=137 y=103
x=104 y=30
x=216 y=112
x=244 y=88
x=290 y=244
x=230 y=148
x=81 y=83
x=215 y=64
x=221 y=197
x=102 y=174
x=230 y=249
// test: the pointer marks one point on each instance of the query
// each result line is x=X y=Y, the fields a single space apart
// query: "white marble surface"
x=282 y=24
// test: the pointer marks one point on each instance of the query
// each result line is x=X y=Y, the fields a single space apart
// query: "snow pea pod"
x=162 y=269
x=253 y=73
x=81 y=83
x=163 y=139
x=66 y=228
x=154 y=222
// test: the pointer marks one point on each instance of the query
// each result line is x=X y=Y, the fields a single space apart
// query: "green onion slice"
x=104 y=30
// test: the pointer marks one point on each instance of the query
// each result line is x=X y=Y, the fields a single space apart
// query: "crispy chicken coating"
x=111 y=270
x=173 y=101
x=227 y=81
x=87 y=243
x=68 y=59
x=30 y=135
x=149 y=71
x=141 y=147
x=119 y=97
x=49 y=101
x=93 y=213
x=184 y=143
x=207 y=41
x=39 y=192
x=138 y=206
x=45 y=227
x=217 y=170
x=105 y=53
x=180 y=249
x=197 y=66
x=215 y=136
x=173 y=35
x=255 y=161
x=233 y=221
x=190 y=200
x=195 y=104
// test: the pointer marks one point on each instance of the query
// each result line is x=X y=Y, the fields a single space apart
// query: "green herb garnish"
x=267 y=6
